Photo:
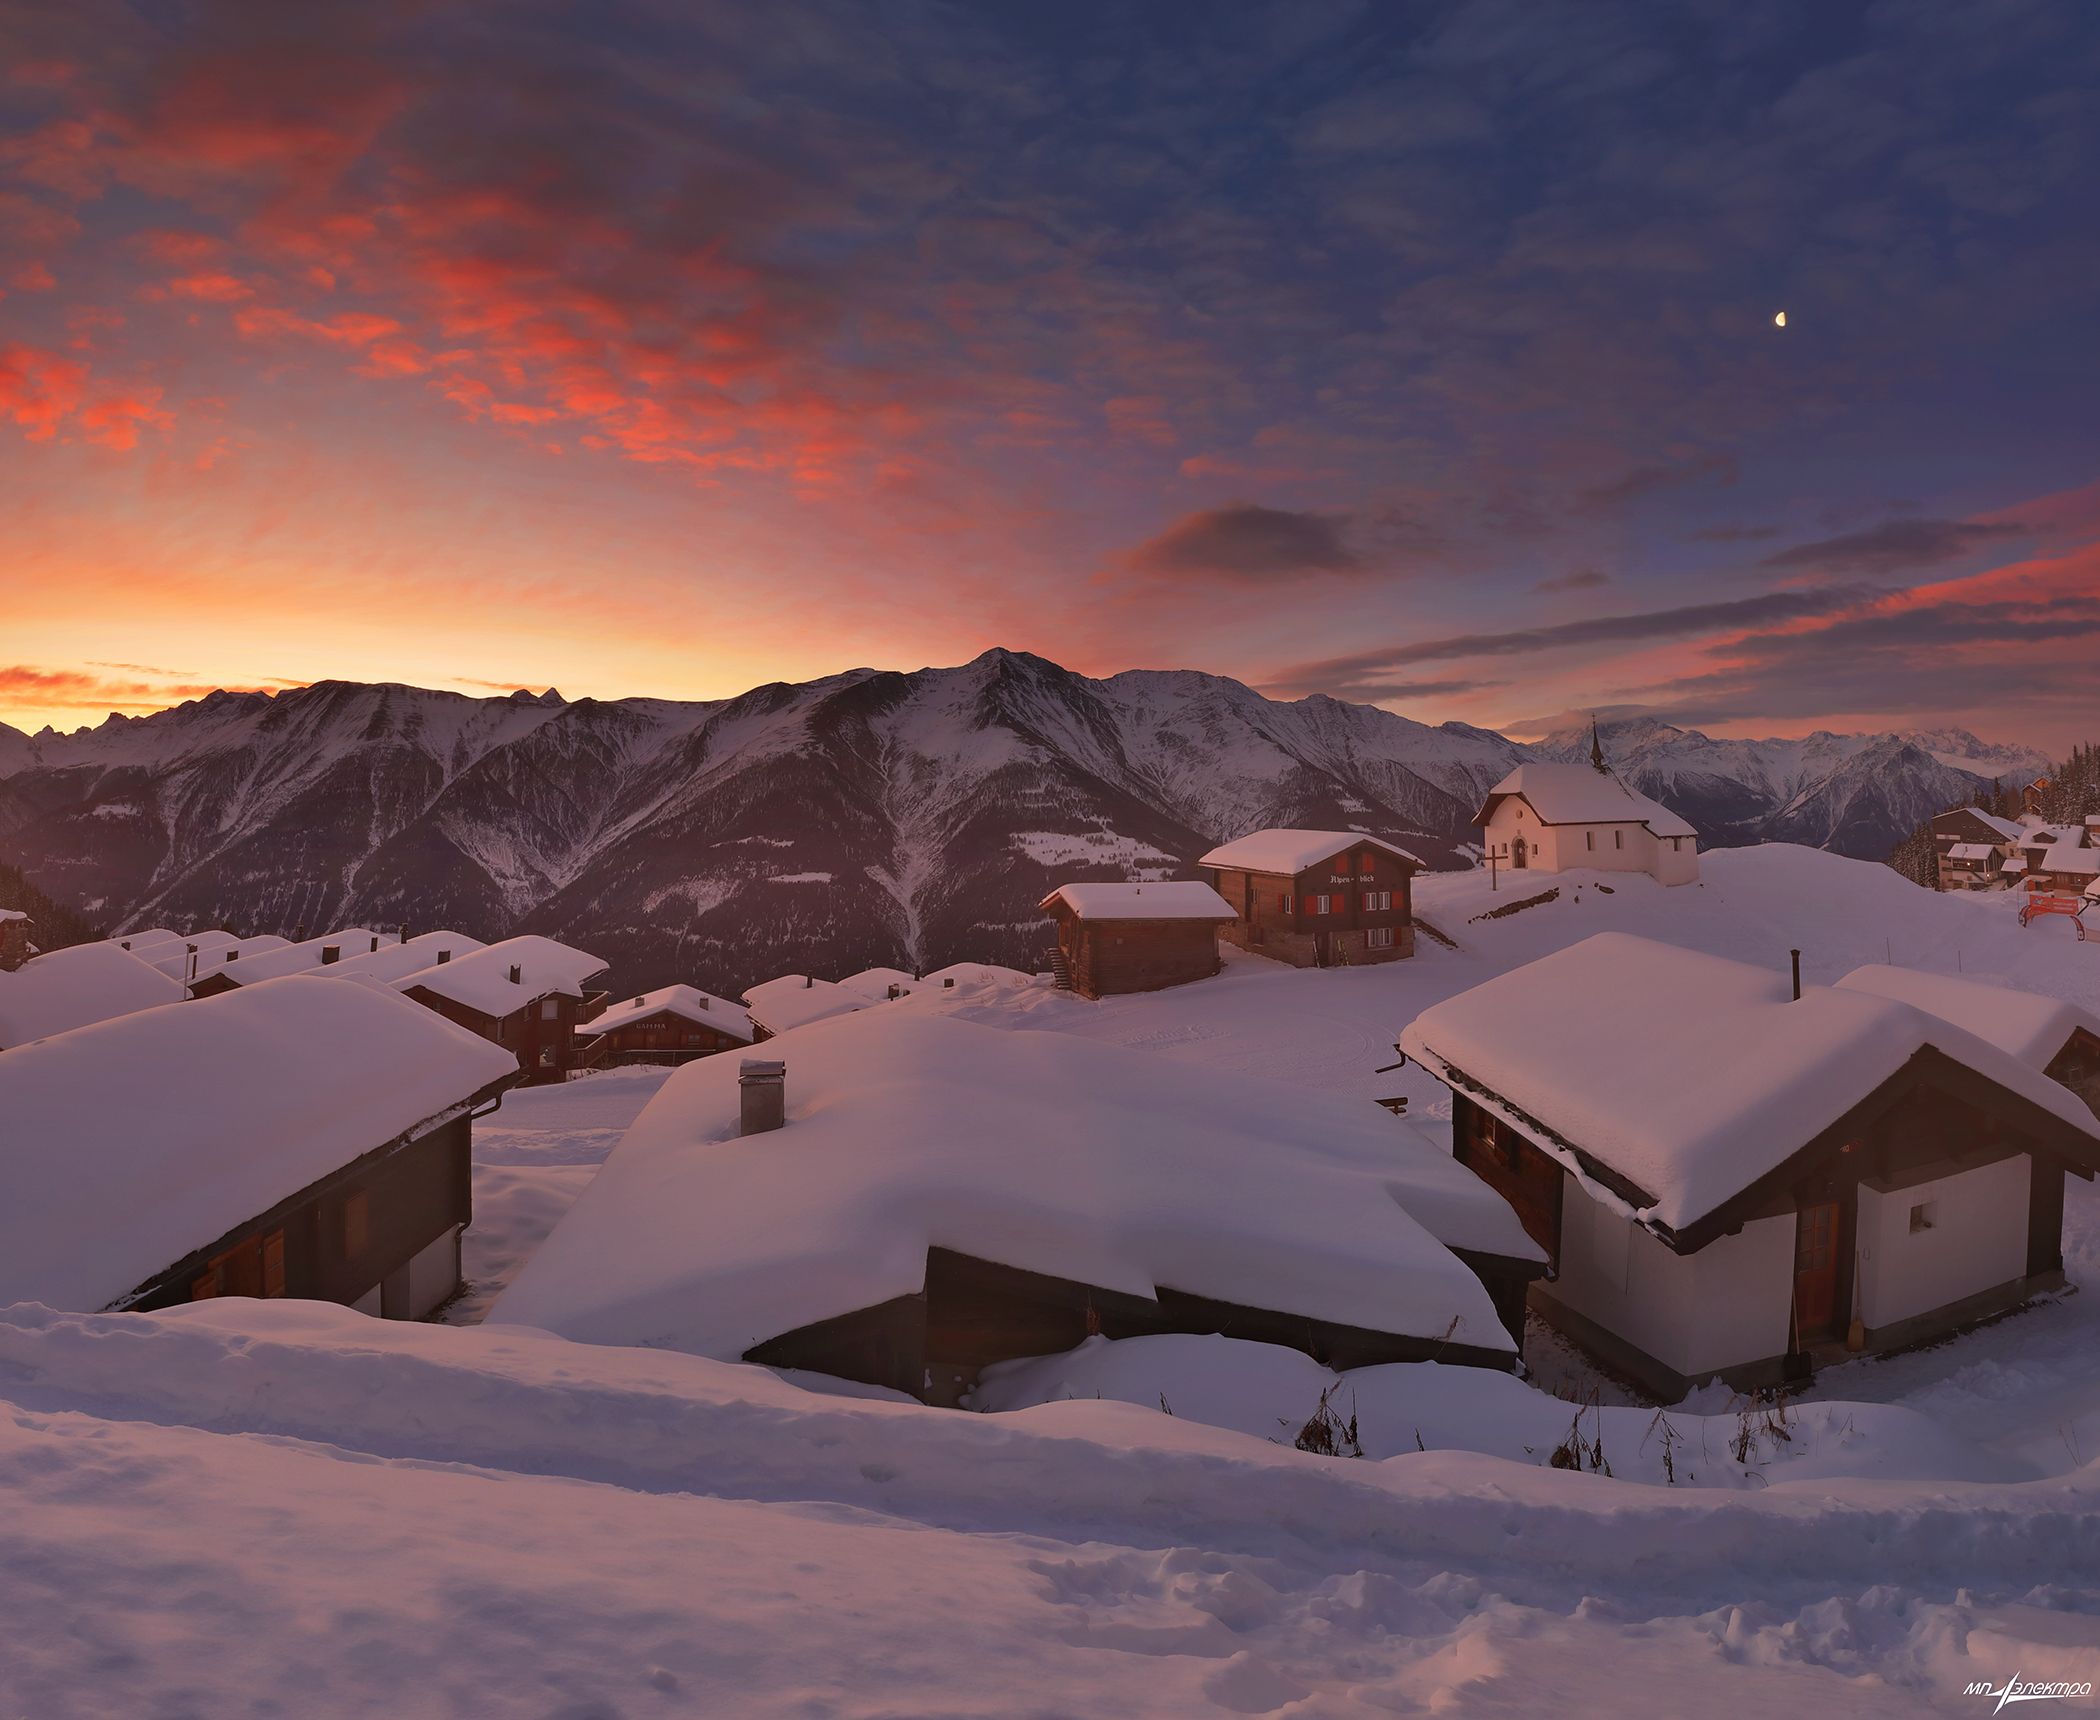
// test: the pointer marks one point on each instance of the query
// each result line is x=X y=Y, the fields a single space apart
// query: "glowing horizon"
x=460 y=350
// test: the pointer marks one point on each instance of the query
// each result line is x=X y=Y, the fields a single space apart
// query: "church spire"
x=1596 y=746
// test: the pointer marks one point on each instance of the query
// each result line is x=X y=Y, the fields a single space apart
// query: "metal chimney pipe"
x=1797 y=975
x=762 y=1090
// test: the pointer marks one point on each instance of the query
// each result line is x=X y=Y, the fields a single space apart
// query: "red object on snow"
x=2071 y=906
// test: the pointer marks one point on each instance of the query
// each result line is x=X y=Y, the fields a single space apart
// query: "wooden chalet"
x=1114 y=938
x=1971 y=848
x=283 y=1139
x=1317 y=898
x=673 y=1024
x=1735 y=1181
x=905 y=1199
x=526 y=994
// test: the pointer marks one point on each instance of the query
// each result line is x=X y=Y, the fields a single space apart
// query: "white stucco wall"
x=1598 y=847
x=1978 y=1240
x=1695 y=1313
x=433 y=1275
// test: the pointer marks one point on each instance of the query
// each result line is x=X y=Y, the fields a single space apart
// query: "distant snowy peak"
x=868 y=818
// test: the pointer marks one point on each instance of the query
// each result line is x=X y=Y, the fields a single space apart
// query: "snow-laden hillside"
x=867 y=818
x=274 y=1507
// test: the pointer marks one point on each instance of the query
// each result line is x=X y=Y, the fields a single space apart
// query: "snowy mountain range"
x=871 y=817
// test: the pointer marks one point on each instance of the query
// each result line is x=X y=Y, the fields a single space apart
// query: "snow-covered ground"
x=258 y=1508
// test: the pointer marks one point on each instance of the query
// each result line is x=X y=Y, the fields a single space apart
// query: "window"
x=1589 y=839
x=1618 y=839
x=1923 y=1216
x=357 y=1224
x=550 y=1009
x=1320 y=904
x=546 y=1057
x=1379 y=938
x=1283 y=904
x=1378 y=901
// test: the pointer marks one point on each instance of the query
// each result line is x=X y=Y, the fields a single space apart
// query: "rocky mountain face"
x=1857 y=795
x=869 y=817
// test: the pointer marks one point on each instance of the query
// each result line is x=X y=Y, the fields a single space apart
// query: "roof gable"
x=481 y=981
x=1581 y=794
x=1286 y=853
x=1672 y=1081
x=1172 y=900
x=686 y=1002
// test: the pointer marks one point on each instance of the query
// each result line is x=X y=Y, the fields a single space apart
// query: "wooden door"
x=1517 y=851
x=1816 y=1274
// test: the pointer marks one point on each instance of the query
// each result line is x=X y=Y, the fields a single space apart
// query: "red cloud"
x=38 y=390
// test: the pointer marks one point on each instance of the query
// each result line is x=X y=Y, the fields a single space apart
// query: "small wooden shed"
x=1114 y=938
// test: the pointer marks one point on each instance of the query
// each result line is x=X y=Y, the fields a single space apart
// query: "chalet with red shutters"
x=673 y=1024
x=1317 y=898
x=526 y=994
x=1115 y=938
x=1735 y=1177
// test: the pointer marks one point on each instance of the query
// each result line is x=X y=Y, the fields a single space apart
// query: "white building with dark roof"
x=1734 y=1180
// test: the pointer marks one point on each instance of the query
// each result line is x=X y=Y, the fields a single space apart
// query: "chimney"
x=233 y=955
x=807 y=982
x=1797 y=975
x=375 y=940
x=403 y=928
x=762 y=1087
x=444 y=956
x=331 y=954
x=948 y=984
x=517 y=974
x=299 y=933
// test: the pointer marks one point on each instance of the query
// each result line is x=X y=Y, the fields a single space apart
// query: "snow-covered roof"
x=1972 y=851
x=303 y=957
x=684 y=1001
x=1582 y=794
x=138 y=943
x=12 y=914
x=397 y=960
x=795 y=1000
x=135 y=1142
x=480 y=980
x=873 y=984
x=1041 y=1151
x=2008 y=828
x=2020 y=1023
x=1289 y=852
x=64 y=989
x=2073 y=860
x=974 y=973
x=1688 y=1075
x=173 y=958
x=2013 y=865
x=1168 y=901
